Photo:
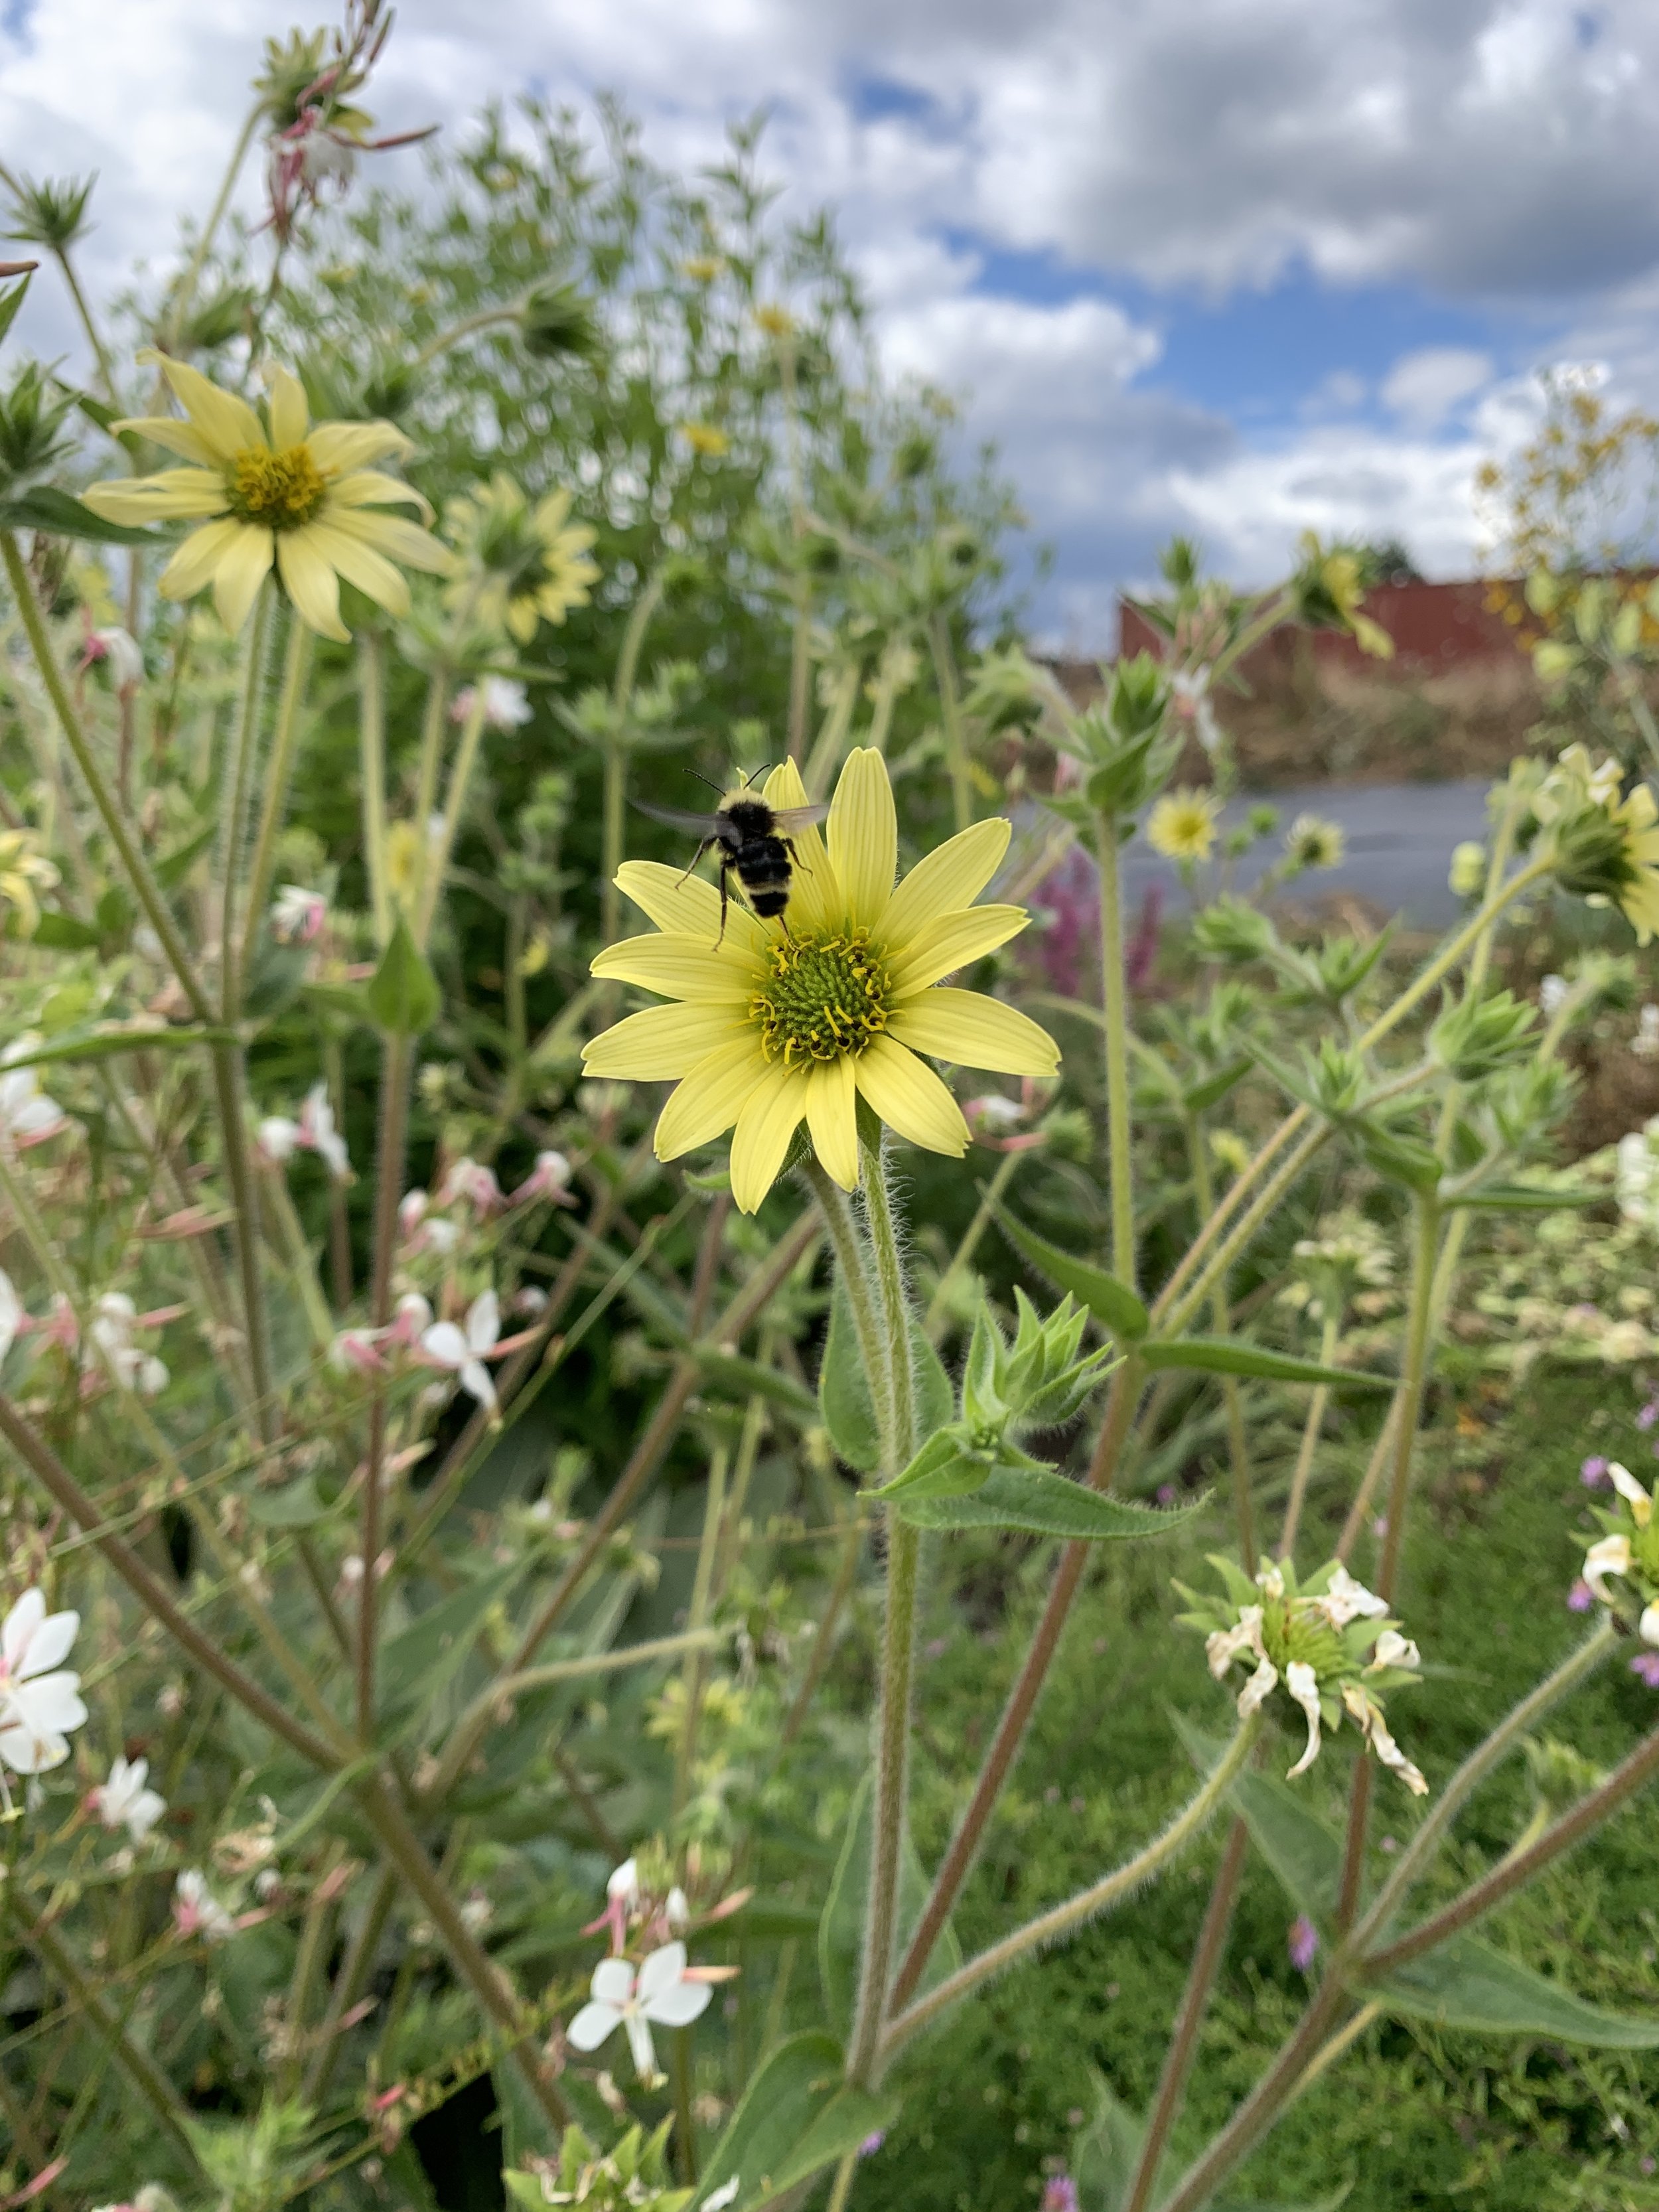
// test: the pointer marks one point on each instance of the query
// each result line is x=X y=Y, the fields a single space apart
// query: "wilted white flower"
x=506 y=703
x=661 y=1993
x=124 y=1801
x=1552 y=995
x=1189 y=689
x=296 y=915
x=40 y=1701
x=118 y=651
x=110 y=1346
x=197 y=1911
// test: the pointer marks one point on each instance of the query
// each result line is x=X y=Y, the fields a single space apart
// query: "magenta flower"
x=1060 y=2194
x=1646 y=1664
x=873 y=2142
x=1594 y=1472
x=1302 y=1943
x=1581 y=1597
x=1649 y=1414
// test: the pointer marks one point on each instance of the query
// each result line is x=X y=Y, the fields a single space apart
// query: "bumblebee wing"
x=675 y=818
x=790 y=821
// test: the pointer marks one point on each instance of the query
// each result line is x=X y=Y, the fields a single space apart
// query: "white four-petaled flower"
x=445 y=1344
x=40 y=1701
x=659 y=1993
x=197 y=1911
x=297 y=914
x=27 y=1116
x=124 y=1801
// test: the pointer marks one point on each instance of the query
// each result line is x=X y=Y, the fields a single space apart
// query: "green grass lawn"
x=1412 y=2117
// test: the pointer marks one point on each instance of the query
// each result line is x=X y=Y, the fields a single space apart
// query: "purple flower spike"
x=1581 y=1597
x=1646 y=1664
x=1061 y=2195
x=1649 y=1414
x=1302 y=1943
x=1593 y=1473
x=872 y=2143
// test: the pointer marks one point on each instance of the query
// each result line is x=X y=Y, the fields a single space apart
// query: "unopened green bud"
x=33 y=415
x=1229 y=930
x=52 y=213
x=1479 y=1035
x=556 y=320
x=1467 y=878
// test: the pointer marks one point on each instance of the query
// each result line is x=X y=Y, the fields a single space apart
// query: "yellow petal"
x=951 y=876
x=974 y=1031
x=940 y=947
x=290 y=414
x=174 y=436
x=663 y=1043
x=910 y=1099
x=832 y=1118
x=815 y=897
x=687 y=906
x=226 y=425
x=361 y=565
x=311 y=583
x=198 y=559
x=369 y=487
x=863 y=836
x=336 y=446
x=680 y=967
x=404 y=542
x=175 y=495
x=770 y=1116
x=238 y=573
x=710 y=1098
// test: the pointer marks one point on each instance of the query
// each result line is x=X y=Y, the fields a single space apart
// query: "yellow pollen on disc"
x=276 y=491
x=824 y=998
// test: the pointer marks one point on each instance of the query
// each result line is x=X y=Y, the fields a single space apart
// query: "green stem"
x=898 y=1642
x=145 y=887
x=388 y=1189
x=1239 y=1454
x=714 y=1505
x=1100 y=1897
x=616 y=754
x=950 y=704
x=854 y=1273
x=436 y=865
x=184 y=297
x=278 y=773
x=371 y=742
x=105 y=372
x=1412 y=1379
x=245 y=746
x=486 y=319
x=1310 y=1434
x=1115 y=1000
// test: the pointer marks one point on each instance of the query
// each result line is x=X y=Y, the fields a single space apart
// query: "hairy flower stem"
x=615 y=804
x=1238 y=1455
x=184 y=294
x=1311 y=1429
x=1022 y=1699
x=278 y=774
x=950 y=708
x=1100 y=1897
x=853 y=1271
x=395 y=1068
x=460 y=776
x=371 y=748
x=1114 y=1003
x=897 y=1426
x=145 y=887
x=1194 y=2003
x=939 y=1305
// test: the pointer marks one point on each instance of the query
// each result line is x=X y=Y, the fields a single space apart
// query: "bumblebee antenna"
x=713 y=786
x=765 y=769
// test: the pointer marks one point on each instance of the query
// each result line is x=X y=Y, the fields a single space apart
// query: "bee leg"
x=698 y=855
x=725 y=899
x=795 y=859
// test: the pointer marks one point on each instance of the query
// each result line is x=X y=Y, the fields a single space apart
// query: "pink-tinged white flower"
x=197 y=1911
x=464 y=1350
x=125 y=1800
x=528 y=1301
x=279 y=1139
x=1060 y=2194
x=622 y=1898
x=677 y=1910
x=506 y=704
x=12 y=1316
x=297 y=915
x=357 y=1351
x=40 y=1700
x=109 y=1347
x=27 y=1116
x=118 y=650
x=422 y=1230
x=662 y=1993
x=1636 y=1495
x=1303 y=1684
x=1646 y=1667
x=1302 y=1943
x=550 y=1178
x=469 y=1180
x=1190 y=698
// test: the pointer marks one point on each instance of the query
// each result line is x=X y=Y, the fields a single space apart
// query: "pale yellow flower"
x=705 y=438
x=1181 y=826
x=1311 y=841
x=774 y=1025
x=285 y=493
x=24 y=871
x=520 y=565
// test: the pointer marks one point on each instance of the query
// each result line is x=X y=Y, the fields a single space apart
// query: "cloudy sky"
x=1237 y=267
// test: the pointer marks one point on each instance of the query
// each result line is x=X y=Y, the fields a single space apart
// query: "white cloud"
x=1425 y=386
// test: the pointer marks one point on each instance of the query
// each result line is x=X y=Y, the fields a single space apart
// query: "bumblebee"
x=755 y=842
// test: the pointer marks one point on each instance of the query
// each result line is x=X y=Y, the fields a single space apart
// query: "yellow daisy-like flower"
x=707 y=439
x=520 y=565
x=1311 y=841
x=773 y=1026
x=1637 y=893
x=286 y=493
x=1183 y=825
x=1606 y=846
x=25 y=870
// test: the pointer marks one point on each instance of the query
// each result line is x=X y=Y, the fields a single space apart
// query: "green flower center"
x=1288 y=1635
x=824 y=997
x=275 y=491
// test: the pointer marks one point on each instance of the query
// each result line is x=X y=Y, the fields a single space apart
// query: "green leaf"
x=296 y=1505
x=1465 y=1983
x=106 y=1043
x=62 y=933
x=1230 y=1355
x=1305 y=1855
x=59 y=514
x=1045 y=1504
x=845 y=2120
x=349 y=1000
x=738 y=1377
x=841 y=1928
x=416 y=1664
x=844 y=1398
x=944 y=1467
x=1523 y=1198
x=525 y=2128
x=1105 y=2151
x=403 y=999
x=1211 y=1092
x=10 y=302
x=778 y=2117
x=172 y=867
x=1113 y=1304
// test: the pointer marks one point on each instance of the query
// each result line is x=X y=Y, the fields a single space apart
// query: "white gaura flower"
x=278 y=1138
x=1303 y=1685
x=110 y=1346
x=506 y=703
x=39 y=1702
x=11 y=1313
x=477 y=1184
x=297 y=914
x=1635 y=1494
x=118 y=651
x=1608 y=1555
x=462 y=1352
x=197 y=1911
x=124 y=1801
x=661 y=1993
x=27 y=1116
x=549 y=1178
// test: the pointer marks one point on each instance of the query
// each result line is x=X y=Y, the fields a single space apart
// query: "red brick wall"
x=1433 y=626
